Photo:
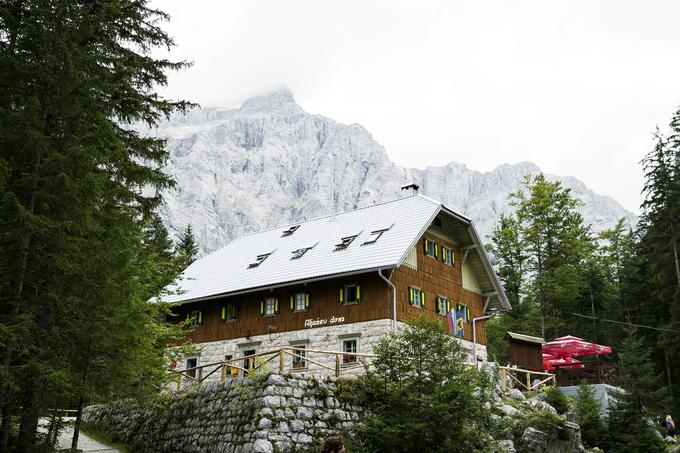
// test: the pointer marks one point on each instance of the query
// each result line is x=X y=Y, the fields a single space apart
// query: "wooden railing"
x=524 y=379
x=592 y=372
x=342 y=362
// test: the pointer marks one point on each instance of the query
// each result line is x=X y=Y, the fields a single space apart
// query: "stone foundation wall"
x=261 y=414
x=327 y=338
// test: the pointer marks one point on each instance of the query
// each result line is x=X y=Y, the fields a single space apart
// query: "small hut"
x=525 y=351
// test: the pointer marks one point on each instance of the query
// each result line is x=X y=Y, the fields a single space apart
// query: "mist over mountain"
x=269 y=163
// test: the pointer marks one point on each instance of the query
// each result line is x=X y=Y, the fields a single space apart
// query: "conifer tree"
x=187 y=246
x=75 y=179
x=588 y=417
x=630 y=416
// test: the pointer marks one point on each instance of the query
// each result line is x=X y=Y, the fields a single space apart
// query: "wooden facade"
x=432 y=275
x=525 y=351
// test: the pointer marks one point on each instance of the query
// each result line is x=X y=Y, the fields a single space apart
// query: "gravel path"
x=85 y=443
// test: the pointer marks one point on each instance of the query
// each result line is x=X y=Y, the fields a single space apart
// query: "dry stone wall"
x=261 y=414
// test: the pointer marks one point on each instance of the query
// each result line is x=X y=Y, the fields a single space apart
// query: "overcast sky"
x=576 y=87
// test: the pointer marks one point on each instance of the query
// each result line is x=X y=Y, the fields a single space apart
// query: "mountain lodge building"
x=337 y=283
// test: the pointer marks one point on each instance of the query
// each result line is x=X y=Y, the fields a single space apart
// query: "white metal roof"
x=226 y=271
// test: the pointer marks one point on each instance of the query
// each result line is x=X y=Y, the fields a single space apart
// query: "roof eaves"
x=421 y=232
x=284 y=284
x=488 y=267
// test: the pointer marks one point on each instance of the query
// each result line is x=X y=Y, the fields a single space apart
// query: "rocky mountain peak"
x=270 y=163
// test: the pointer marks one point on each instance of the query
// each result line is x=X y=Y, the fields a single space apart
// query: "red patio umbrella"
x=571 y=346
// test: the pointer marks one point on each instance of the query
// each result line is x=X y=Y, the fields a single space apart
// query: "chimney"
x=410 y=189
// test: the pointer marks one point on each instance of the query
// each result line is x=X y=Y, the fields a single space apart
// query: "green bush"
x=542 y=420
x=350 y=390
x=557 y=399
x=421 y=397
x=593 y=433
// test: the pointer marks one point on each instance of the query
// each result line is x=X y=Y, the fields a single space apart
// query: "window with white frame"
x=416 y=297
x=195 y=318
x=350 y=294
x=430 y=248
x=349 y=346
x=443 y=305
x=191 y=370
x=270 y=306
x=465 y=311
x=299 y=357
x=300 y=302
x=447 y=256
x=229 y=312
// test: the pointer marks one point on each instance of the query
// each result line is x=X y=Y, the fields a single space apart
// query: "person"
x=333 y=445
x=669 y=424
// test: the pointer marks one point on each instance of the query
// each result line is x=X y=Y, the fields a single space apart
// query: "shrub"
x=422 y=397
x=350 y=390
x=588 y=408
x=542 y=420
x=557 y=399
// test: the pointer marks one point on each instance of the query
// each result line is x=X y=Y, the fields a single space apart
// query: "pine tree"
x=588 y=417
x=630 y=414
x=187 y=246
x=75 y=179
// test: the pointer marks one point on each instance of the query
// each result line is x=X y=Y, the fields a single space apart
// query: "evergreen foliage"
x=421 y=395
x=78 y=186
x=187 y=246
x=593 y=433
x=557 y=399
x=630 y=416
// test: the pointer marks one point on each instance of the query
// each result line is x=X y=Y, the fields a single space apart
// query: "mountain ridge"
x=269 y=163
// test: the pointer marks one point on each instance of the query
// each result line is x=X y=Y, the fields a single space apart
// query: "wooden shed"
x=525 y=351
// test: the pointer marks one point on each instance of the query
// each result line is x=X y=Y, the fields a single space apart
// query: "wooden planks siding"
x=324 y=303
x=437 y=278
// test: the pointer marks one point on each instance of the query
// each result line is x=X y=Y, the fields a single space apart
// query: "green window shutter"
x=468 y=314
x=262 y=307
x=426 y=246
x=292 y=303
x=234 y=311
x=224 y=313
x=276 y=306
x=342 y=295
x=307 y=301
x=448 y=306
x=358 y=293
x=422 y=298
x=200 y=316
x=436 y=251
x=410 y=295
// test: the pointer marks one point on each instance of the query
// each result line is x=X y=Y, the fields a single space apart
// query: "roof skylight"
x=375 y=235
x=290 y=230
x=345 y=242
x=259 y=260
x=299 y=252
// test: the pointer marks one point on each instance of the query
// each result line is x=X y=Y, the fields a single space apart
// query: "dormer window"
x=299 y=252
x=375 y=235
x=290 y=230
x=259 y=260
x=345 y=242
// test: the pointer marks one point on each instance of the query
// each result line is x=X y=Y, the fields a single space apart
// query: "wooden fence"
x=342 y=362
x=524 y=379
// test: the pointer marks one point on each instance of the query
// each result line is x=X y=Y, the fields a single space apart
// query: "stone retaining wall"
x=261 y=414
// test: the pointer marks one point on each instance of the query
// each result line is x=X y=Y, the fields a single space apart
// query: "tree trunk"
x=7 y=413
x=29 y=420
x=677 y=263
x=76 y=426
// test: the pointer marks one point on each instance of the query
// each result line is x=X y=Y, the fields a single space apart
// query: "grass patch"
x=101 y=436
